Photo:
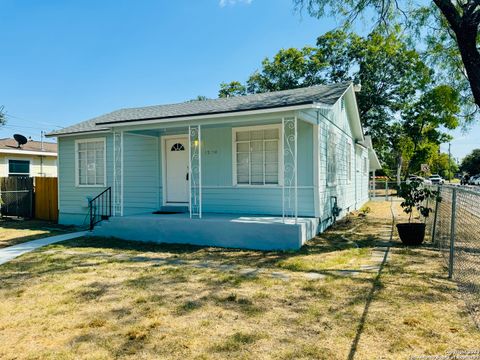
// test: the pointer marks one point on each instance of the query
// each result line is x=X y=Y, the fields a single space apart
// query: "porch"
x=223 y=230
x=246 y=167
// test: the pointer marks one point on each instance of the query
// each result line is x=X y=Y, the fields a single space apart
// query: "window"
x=349 y=161
x=331 y=158
x=364 y=166
x=90 y=162
x=256 y=155
x=18 y=167
x=177 y=147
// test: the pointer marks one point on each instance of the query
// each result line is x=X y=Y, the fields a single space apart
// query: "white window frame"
x=349 y=161
x=280 y=154
x=364 y=166
x=82 y=141
x=19 y=159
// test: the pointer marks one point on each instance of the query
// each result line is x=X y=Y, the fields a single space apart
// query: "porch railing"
x=100 y=207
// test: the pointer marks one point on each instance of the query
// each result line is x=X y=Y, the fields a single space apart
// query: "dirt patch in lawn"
x=111 y=299
x=13 y=231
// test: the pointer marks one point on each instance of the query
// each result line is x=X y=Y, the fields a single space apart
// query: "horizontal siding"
x=267 y=201
x=334 y=134
x=72 y=199
x=142 y=170
x=140 y=174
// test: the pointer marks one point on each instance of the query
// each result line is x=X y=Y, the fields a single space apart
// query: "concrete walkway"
x=11 y=252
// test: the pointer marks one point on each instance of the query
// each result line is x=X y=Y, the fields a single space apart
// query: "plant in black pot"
x=415 y=196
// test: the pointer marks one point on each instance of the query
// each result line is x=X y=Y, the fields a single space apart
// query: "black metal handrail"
x=100 y=207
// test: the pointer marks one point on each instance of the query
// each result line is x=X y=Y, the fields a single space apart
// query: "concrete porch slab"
x=224 y=230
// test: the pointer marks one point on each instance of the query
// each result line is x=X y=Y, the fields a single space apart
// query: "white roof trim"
x=27 y=152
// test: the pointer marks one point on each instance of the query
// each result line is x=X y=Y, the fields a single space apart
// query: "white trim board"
x=28 y=152
x=164 y=165
x=234 y=154
x=80 y=141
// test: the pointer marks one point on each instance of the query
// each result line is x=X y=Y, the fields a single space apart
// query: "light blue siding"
x=220 y=196
x=73 y=204
x=334 y=133
x=141 y=180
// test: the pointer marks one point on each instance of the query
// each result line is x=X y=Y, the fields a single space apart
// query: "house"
x=264 y=171
x=35 y=158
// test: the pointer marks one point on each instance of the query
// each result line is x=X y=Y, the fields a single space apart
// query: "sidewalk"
x=11 y=252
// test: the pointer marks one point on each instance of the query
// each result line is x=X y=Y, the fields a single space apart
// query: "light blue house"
x=266 y=171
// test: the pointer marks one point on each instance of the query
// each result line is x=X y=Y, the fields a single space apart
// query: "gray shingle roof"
x=325 y=94
x=32 y=145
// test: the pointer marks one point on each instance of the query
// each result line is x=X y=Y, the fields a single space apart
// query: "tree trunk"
x=465 y=27
x=467 y=43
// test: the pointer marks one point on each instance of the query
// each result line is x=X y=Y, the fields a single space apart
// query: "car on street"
x=436 y=179
x=475 y=180
x=419 y=179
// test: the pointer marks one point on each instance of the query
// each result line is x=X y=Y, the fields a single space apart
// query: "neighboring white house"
x=32 y=159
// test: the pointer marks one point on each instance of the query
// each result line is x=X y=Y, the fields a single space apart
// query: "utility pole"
x=449 y=164
x=41 y=138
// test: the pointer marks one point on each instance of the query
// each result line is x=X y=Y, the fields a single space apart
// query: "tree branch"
x=450 y=13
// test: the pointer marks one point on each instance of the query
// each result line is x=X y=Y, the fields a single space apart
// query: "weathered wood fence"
x=28 y=197
x=46 y=198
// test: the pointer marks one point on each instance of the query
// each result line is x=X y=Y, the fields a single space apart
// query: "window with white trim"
x=90 y=162
x=18 y=167
x=256 y=155
x=348 y=161
x=364 y=166
x=331 y=158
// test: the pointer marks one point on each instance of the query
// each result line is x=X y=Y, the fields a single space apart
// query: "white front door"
x=176 y=170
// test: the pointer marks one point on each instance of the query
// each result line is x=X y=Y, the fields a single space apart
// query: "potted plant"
x=415 y=195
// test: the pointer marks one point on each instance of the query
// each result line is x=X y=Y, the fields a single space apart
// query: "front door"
x=176 y=170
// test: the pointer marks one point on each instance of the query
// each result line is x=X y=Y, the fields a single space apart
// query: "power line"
x=8 y=115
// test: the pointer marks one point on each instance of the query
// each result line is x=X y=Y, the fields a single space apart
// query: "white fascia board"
x=352 y=108
x=80 y=133
x=27 y=152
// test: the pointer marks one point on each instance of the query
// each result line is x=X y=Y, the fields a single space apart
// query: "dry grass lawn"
x=13 y=231
x=109 y=299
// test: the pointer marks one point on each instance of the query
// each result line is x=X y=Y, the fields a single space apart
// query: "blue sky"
x=64 y=61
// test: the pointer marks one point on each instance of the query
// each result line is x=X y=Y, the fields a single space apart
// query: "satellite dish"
x=21 y=140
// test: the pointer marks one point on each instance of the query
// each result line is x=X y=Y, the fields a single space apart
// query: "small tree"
x=415 y=196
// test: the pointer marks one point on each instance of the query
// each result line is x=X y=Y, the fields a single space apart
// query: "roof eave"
x=121 y=123
x=28 y=152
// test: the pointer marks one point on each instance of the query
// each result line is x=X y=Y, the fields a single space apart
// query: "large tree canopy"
x=449 y=29
x=400 y=104
x=471 y=163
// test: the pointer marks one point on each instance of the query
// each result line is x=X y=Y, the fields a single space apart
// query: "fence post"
x=435 y=215
x=452 y=234
x=386 y=190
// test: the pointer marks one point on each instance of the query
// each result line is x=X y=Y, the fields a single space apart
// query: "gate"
x=46 y=198
x=17 y=196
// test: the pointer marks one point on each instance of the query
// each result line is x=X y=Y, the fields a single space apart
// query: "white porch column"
x=289 y=168
x=195 y=170
x=118 y=173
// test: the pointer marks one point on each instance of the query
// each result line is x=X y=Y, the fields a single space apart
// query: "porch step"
x=174 y=208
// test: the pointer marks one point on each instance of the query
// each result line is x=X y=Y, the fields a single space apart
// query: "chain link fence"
x=383 y=189
x=455 y=228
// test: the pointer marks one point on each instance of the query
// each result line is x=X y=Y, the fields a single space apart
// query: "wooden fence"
x=29 y=197
x=17 y=196
x=46 y=198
